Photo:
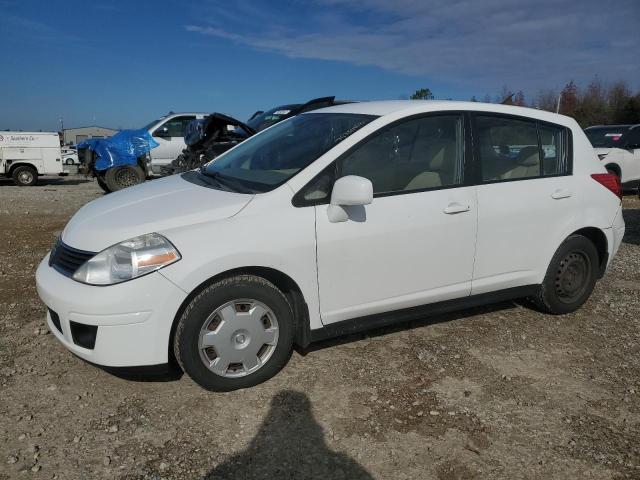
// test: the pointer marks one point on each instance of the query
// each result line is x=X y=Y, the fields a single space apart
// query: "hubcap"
x=238 y=338
x=25 y=177
x=572 y=276
x=126 y=177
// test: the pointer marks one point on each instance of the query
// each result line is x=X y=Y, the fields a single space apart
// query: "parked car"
x=618 y=147
x=209 y=137
x=334 y=221
x=26 y=155
x=70 y=155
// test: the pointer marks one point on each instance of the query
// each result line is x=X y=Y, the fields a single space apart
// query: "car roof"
x=388 y=107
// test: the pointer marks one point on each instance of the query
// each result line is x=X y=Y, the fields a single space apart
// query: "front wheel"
x=570 y=278
x=236 y=333
x=117 y=178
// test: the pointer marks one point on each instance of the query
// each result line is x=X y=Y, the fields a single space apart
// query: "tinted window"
x=176 y=126
x=414 y=155
x=270 y=158
x=554 y=142
x=271 y=117
x=607 y=137
x=633 y=138
x=508 y=148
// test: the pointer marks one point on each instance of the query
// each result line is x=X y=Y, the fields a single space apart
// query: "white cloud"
x=472 y=43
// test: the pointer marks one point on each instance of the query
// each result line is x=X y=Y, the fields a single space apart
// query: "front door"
x=415 y=243
x=170 y=136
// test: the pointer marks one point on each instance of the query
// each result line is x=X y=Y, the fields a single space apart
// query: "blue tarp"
x=123 y=148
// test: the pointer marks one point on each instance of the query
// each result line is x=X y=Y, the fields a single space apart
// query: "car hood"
x=153 y=206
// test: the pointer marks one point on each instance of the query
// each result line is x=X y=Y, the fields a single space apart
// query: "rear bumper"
x=133 y=319
x=616 y=234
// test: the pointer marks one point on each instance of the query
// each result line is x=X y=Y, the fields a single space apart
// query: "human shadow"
x=632 y=225
x=289 y=445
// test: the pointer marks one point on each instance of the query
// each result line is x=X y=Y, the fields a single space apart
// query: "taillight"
x=610 y=181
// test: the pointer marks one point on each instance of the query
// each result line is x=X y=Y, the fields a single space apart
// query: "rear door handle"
x=456 y=207
x=559 y=194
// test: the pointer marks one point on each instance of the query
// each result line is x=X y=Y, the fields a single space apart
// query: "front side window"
x=272 y=157
x=177 y=126
x=508 y=148
x=415 y=155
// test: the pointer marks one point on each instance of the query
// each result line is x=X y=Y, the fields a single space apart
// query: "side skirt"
x=370 y=322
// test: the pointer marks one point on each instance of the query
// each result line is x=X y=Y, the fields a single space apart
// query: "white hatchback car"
x=334 y=221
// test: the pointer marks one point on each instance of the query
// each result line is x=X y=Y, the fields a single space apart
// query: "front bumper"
x=134 y=318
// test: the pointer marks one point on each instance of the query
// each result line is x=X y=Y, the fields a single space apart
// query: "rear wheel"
x=117 y=178
x=570 y=278
x=25 y=176
x=236 y=333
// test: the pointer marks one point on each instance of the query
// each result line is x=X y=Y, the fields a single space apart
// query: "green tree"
x=422 y=94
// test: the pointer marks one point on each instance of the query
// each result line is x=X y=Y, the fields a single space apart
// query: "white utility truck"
x=26 y=155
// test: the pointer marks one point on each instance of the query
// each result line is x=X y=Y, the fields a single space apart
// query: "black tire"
x=196 y=314
x=69 y=161
x=25 y=176
x=102 y=184
x=570 y=278
x=117 y=178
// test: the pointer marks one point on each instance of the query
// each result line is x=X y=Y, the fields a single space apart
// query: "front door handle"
x=456 y=207
x=561 y=193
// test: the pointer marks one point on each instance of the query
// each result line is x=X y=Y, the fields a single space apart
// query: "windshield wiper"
x=226 y=182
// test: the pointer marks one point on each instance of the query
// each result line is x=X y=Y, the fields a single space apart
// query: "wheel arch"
x=21 y=164
x=281 y=280
x=599 y=239
x=614 y=167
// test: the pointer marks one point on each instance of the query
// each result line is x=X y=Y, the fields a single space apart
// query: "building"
x=73 y=136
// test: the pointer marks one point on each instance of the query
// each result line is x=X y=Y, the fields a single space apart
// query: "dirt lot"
x=500 y=392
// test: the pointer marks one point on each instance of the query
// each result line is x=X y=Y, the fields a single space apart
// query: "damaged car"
x=209 y=137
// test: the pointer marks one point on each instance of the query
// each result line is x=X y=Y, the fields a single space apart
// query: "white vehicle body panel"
x=38 y=149
x=403 y=252
x=627 y=161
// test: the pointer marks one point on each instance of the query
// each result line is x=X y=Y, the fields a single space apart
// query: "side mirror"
x=162 y=132
x=347 y=192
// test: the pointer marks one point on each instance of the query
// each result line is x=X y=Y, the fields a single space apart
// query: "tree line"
x=598 y=103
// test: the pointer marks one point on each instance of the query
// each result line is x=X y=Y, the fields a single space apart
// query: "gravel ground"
x=498 y=392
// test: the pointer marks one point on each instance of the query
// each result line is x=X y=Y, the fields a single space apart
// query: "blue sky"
x=120 y=63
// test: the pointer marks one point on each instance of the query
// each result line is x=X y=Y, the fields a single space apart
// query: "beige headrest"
x=528 y=157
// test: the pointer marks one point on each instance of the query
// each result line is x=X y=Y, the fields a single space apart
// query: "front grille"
x=67 y=260
x=55 y=319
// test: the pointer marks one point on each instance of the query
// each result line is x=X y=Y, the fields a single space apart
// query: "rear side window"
x=517 y=149
x=554 y=142
x=508 y=148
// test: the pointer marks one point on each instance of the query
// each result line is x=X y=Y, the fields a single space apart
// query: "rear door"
x=415 y=243
x=525 y=196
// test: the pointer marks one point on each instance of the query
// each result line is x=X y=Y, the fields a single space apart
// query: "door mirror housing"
x=349 y=191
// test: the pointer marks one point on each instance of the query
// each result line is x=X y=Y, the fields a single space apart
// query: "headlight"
x=129 y=259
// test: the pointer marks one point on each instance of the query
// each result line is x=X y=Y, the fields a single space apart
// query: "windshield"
x=151 y=124
x=607 y=137
x=270 y=117
x=272 y=157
